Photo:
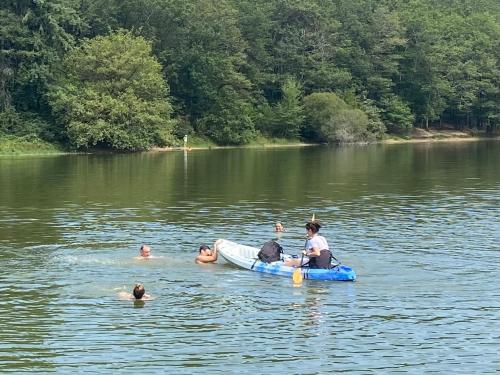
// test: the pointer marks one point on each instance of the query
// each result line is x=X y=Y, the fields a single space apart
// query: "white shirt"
x=318 y=242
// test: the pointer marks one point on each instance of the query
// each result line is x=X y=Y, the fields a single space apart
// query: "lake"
x=419 y=223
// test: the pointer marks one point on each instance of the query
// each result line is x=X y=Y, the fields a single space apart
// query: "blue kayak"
x=246 y=257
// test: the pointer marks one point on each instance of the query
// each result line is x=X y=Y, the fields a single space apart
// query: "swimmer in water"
x=138 y=294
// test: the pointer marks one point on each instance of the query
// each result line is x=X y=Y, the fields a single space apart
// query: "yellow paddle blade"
x=313 y=218
x=297 y=276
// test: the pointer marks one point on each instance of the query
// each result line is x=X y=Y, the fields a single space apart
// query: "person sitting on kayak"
x=206 y=254
x=316 y=250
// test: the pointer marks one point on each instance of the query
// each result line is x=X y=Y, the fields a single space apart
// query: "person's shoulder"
x=125 y=296
x=317 y=240
x=323 y=239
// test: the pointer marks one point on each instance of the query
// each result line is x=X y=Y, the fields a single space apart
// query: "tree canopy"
x=128 y=74
x=112 y=93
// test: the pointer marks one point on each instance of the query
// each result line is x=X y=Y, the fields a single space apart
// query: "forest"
x=128 y=75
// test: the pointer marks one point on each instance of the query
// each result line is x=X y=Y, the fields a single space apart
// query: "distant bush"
x=331 y=119
x=28 y=144
x=23 y=124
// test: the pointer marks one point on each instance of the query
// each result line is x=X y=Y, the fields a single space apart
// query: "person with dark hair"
x=316 y=254
x=138 y=294
x=207 y=254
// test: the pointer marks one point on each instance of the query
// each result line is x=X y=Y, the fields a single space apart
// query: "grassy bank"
x=10 y=145
x=435 y=135
x=200 y=143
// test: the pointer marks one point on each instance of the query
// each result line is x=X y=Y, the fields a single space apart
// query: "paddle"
x=297 y=274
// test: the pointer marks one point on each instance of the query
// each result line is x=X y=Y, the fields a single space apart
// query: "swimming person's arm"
x=125 y=296
x=206 y=258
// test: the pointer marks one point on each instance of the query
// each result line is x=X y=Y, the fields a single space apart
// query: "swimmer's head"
x=278 y=227
x=145 y=251
x=205 y=250
x=138 y=291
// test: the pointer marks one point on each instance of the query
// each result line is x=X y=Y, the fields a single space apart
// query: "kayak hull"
x=246 y=257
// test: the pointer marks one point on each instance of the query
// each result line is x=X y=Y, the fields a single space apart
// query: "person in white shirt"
x=317 y=253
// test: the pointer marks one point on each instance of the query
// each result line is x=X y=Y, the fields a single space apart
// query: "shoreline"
x=264 y=145
x=439 y=140
x=390 y=141
x=419 y=136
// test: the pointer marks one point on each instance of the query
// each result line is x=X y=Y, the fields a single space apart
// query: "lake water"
x=419 y=224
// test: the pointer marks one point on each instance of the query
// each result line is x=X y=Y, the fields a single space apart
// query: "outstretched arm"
x=208 y=258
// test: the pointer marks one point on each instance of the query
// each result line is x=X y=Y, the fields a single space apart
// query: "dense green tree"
x=34 y=35
x=375 y=128
x=113 y=94
x=374 y=39
x=396 y=114
x=201 y=48
x=452 y=60
x=285 y=118
x=306 y=45
x=331 y=119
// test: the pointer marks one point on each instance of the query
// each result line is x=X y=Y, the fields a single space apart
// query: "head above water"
x=313 y=226
x=205 y=250
x=278 y=227
x=145 y=251
x=138 y=291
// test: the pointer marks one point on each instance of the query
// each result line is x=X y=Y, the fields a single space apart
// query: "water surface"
x=419 y=224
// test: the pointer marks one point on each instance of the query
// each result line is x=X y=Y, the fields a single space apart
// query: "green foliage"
x=397 y=115
x=34 y=35
x=330 y=119
x=305 y=42
x=28 y=124
x=12 y=123
x=285 y=118
x=374 y=40
x=204 y=54
x=113 y=94
x=452 y=61
x=375 y=128
x=228 y=65
x=230 y=122
x=13 y=145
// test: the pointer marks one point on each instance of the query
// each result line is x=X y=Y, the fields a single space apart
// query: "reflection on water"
x=419 y=224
